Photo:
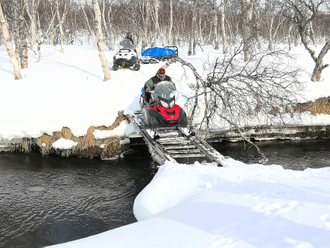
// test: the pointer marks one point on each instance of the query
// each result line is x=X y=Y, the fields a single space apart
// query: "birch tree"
x=193 y=34
x=87 y=21
x=15 y=24
x=171 y=24
x=223 y=28
x=301 y=13
x=270 y=14
x=111 y=32
x=61 y=19
x=215 y=24
x=247 y=12
x=43 y=36
x=23 y=49
x=100 y=40
x=156 y=22
x=107 y=31
x=146 y=22
x=31 y=10
x=9 y=45
x=194 y=28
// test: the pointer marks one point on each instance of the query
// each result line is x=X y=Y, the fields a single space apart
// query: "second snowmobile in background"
x=126 y=57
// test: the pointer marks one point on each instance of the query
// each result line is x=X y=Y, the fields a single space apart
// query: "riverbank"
x=62 y=105
x=94 y=145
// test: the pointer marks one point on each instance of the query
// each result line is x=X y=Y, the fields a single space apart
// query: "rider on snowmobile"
x=127 y=56
x=164 y=112
x=128 y=41
x=130 y=37
x=152 y=82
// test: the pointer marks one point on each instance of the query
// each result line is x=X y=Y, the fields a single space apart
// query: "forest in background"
x=166 y=22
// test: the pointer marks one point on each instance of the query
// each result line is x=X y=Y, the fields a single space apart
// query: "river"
x=45 y=201
x=51 y=200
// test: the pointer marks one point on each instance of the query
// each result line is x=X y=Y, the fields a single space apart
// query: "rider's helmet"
x=165 y=94
x=129 y=35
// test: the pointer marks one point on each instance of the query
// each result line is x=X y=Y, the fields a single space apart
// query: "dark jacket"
x=151 y=84
x=130 y=40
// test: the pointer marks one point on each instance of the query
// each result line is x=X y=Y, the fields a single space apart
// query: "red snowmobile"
x=163 y=112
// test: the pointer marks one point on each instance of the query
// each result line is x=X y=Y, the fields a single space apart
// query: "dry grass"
x=320 y=106
x=88 y=146
x=25 y=146
x=274 y=111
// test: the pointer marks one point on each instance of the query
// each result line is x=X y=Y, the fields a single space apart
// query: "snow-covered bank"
x=67 y=90
x=238 y=205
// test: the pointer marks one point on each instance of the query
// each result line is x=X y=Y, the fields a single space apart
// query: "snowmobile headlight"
x=172 y=103
x=164 y=104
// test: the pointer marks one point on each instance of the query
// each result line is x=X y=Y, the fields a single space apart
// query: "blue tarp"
x=158 y=52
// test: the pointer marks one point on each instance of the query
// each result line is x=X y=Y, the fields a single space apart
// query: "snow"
x=64 y=144
x=124 y=129
x=237 y=205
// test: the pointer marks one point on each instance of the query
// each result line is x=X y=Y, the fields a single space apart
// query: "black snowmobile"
x=126 y=57
x=163 y=112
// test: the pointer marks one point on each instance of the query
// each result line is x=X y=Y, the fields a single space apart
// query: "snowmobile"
x=163 y=112
x=126 y=57
x=163 y=126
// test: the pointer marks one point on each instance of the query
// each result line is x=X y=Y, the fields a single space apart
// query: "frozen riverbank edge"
x=261 y=133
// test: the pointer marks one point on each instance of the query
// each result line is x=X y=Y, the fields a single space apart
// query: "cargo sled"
x=154 y=55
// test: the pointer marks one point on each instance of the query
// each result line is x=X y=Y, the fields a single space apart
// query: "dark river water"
x=45 y=201
x=51 y=200
x=294 y=155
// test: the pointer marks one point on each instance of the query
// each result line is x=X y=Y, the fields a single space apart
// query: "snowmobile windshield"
x=165 y=94
x=126 y=43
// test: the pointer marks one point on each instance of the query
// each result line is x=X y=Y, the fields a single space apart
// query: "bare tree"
x=272 y=22
x=23 y=45
x=18 y=29
x=16 y=17
x=242 y=91
x=61 y=20
x=238 y=91
x=301 y=13
x=193 y=34
x=43 y=36
x=215 y=24
x=106 y=29
x=31 y=9
x=87 y=21
x=171 y=23
x=9 y=45
x=146 y=22
x=223 y=29
x=111 y=29
x=156 y=22
x=100 y=41
x=247 y=12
